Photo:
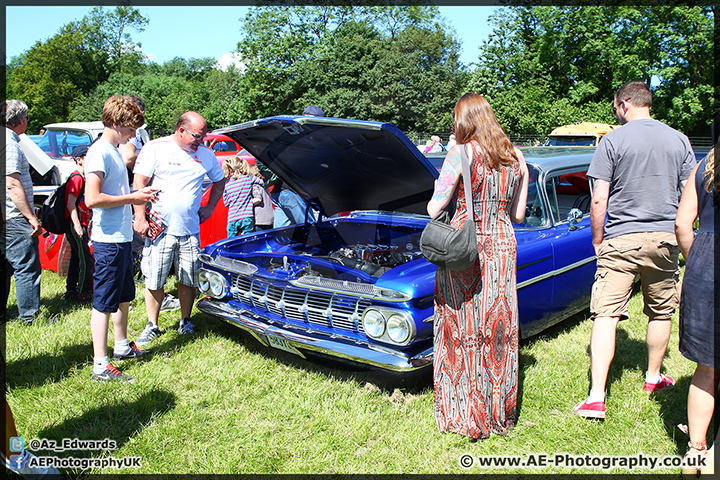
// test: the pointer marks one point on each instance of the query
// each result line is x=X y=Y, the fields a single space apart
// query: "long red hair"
x=475 y=120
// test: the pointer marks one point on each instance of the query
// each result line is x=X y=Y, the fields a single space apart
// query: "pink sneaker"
x=590 y=410
x=665 y=382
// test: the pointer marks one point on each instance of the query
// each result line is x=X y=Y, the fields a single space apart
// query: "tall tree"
x=82 y=55
x=568 y=62
x=396 y=64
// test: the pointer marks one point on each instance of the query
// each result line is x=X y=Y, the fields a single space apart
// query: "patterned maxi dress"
x=476 y=314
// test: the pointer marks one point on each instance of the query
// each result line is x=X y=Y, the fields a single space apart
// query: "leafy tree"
x=166 y=98
x=567 y=62
x=108 y=32
x=52 y=74
x=396 y=64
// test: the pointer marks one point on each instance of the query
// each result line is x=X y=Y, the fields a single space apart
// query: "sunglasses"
x=196 y=136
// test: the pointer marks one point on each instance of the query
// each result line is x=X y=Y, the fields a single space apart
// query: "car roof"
x=557 y=158
x=92 y=126
x=584 y=128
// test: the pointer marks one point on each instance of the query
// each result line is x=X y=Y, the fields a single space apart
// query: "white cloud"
x=228 y=59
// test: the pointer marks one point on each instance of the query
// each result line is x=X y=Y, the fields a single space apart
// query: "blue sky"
x=215 y=30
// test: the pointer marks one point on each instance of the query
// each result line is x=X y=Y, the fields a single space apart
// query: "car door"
x=535 y=259
x=568 y=190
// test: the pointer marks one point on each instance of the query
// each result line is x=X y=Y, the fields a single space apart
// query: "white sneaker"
x=20 y=465
x=169 y=303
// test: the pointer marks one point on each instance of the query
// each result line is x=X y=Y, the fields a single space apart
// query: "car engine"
x=375 y=259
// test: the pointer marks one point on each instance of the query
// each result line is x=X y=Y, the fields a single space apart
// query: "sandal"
x=695 y=460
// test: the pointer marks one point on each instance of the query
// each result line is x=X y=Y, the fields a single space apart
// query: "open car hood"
x=340 y=165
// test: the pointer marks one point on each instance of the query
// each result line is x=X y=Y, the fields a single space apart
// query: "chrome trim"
x=359 y=289
x=361 y=352
x=387 y=313
x=547 y=275
x=305 y=305
x=231 y=264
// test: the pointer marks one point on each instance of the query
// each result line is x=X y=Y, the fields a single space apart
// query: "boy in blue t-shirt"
x=107 y=192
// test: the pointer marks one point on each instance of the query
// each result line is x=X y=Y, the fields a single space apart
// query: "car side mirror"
x=574 y=216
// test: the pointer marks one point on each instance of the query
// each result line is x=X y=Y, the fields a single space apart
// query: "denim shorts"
x=113 y=278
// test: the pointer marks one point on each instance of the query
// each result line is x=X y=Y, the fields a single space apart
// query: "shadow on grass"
x=117 y=421
x=411 y=382
x=526 y=361
x=35 y=371
x=630 y=354
x=673 y=411
x=556 y=330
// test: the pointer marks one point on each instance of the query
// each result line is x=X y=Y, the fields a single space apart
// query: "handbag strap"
x=466 y=183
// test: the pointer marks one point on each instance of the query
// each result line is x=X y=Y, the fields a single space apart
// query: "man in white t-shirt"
x=108 y=193
x=177 y=165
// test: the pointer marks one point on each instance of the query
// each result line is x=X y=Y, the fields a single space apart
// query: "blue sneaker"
x=186 y=327
x=20 y=465
x=149 y=333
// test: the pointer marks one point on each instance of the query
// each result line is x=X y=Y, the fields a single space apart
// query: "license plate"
x=280 y=344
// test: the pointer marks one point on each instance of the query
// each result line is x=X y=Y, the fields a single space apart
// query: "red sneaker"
x=590 y=410
x=665 y=382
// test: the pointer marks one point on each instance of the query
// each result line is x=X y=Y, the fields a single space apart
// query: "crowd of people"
x=638 y=229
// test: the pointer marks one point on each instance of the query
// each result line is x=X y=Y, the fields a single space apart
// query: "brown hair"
x=122 y=112
x=235 y=166
x=636 y=93
x=475 y=120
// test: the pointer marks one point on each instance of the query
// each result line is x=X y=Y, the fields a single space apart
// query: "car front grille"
x=311 y=307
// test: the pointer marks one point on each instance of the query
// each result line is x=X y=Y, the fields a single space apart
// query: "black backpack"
x=52 y=211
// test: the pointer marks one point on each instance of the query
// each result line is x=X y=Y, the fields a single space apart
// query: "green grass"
x=219 y=402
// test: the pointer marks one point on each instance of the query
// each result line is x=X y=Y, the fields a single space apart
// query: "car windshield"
x=59 y=143
x=571 y=141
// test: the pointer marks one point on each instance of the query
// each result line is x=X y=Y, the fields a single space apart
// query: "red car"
x=214 y=229
x=224 y=146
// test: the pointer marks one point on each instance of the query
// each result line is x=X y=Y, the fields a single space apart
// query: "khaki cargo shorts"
x=654 y=257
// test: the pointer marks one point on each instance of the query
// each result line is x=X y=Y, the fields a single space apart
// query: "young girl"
x=79 y=280
x=238 y=195
x=264 y=213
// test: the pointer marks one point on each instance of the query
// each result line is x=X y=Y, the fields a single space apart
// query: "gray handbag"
x=449 y=247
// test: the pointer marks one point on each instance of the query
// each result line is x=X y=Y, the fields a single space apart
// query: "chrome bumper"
x=366 y=354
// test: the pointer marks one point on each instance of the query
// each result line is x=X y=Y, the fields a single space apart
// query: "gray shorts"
x=160 y=254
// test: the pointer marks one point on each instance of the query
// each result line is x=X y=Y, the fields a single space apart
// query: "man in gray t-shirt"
x=638 y=170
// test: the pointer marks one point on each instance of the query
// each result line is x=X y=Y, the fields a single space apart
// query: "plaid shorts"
x=160 y=254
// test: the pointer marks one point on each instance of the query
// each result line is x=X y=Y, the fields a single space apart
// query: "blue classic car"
x=354 y=286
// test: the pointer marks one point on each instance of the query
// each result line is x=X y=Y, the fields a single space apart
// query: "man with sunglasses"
x=638 y=170
x=177 y=165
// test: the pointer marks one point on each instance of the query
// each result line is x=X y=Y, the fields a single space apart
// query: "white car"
x=57 y=143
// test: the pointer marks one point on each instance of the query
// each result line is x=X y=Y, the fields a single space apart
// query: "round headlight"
x=398 y=328
x=374 y=323
x=203 y=283
x=217 y=285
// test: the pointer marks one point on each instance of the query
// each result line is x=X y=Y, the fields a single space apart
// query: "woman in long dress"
x=476 y=313
x=699 y=328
